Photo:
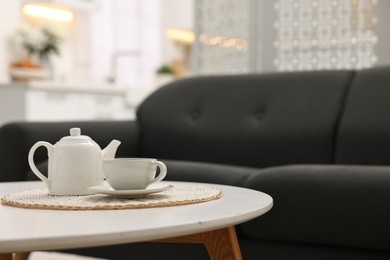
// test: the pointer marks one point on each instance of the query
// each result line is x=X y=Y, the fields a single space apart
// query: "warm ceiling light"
x=46 y=12
x=183 y=36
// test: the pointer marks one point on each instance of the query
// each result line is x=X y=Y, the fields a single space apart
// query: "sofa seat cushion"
x=208 y=172
x=324 y=204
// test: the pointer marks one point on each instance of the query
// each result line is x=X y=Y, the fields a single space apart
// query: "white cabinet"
x=44 y=103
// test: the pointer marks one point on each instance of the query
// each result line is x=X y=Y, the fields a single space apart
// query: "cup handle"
x=34 y=169
x=161 y=175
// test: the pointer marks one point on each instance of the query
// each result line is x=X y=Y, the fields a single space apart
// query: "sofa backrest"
x=364 y=133
x=252 y=120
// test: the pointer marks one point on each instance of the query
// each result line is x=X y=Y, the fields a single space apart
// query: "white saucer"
x=130 y=194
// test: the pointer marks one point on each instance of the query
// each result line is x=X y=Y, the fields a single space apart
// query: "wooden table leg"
x=6 y=257
x=221 y=244
x=21 y=256
x=14 y=256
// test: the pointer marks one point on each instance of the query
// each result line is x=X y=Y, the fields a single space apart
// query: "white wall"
x=91 y=39
x=10 y=19
x=382 y=30
x=178 y=14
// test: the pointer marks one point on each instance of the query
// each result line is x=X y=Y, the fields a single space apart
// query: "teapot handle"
x=34 y=169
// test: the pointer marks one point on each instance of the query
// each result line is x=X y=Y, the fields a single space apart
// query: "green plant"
x=165 y=69
x=42 y=43
x=50 y=45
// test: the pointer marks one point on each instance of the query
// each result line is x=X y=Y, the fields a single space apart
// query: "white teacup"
x=133 y=173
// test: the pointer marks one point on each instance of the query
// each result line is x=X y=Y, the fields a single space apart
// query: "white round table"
x=26 y=230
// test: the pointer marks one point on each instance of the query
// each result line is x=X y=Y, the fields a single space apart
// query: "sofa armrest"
x=325 y=204
x=17 y=138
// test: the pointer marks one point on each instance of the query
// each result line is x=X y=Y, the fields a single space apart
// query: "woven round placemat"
x=180 y=194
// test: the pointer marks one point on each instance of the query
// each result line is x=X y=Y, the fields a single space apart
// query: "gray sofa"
x=317 y=142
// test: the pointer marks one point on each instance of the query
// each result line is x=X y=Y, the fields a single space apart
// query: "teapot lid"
x=75 y=136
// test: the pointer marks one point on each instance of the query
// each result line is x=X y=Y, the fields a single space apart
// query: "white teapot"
x=75 y=163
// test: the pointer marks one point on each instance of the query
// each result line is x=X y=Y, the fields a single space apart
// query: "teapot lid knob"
x=75 y=136
x=75 y=131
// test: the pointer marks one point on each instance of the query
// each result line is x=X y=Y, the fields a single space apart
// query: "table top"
x=37 y=229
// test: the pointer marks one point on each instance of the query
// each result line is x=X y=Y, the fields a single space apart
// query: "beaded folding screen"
x=309 y=35
x=223 y=27
x=324 y=34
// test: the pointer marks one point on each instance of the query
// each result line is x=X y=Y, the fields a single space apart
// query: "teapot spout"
x=109 y=152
